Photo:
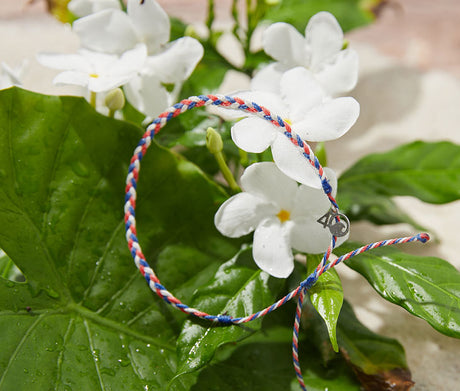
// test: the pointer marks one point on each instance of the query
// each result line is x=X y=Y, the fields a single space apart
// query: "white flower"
x=174 y=64
x=312 y=115
x=320 y=51
x=282 y=214
x=114 y=31
x=98 y=72
x=88 y=7
x=11 y=76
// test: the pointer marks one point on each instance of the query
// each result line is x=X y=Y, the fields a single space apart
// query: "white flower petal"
x=290 y=160
x=265 y=180
x=67 y=62
x=86 y=7
x=269 y=78
x=151 y=23
x=332 y=178
x=99 y=62
x=311 y=202
x=147 y=95
x=241 y=214
x=324 y=37
x=309 y=236
x=271 y=248
x=106 y=83
x=285 y=44
x=178 y=60
x=253 y=134
x=130 y=62
x=301 y=92
x=14 y=75
x=341 y=74
x=73 y=78
x=269 y=100
x=328 y=121
x=107 y=31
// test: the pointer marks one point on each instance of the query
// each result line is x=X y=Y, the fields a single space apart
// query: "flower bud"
x=115 y=99
x=190 y=31
x=214 y=141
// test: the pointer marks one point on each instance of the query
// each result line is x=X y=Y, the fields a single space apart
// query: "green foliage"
x=238 y=288
x=377 y=360
x=427 y=287
x=428 y=171
x=370 y=352
x=86 y=318
x=265 y=363
x=326 y=296
x=349 y=13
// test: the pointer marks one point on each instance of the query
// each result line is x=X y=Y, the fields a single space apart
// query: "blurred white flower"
x=320 y=51
x=283 y=215
x=87 y=7
x=173 y=65
x=98 y=72
x=114 y=31
x=309 y=111
x=11 y=76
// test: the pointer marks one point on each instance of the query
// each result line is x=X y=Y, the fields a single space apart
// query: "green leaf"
x=85 y=318
x=368 y=205
x=349 y=13
x=264 y=362
x=377 y=360
x=428 y=171
x=326 y=296
x=238 y=288
x=427 y=287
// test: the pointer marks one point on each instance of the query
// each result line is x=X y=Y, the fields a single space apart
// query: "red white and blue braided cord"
x=149 y=274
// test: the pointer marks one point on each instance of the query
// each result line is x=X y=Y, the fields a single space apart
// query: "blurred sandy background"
x=409 y=89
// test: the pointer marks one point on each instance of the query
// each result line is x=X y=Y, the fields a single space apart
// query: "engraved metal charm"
x=337 y=228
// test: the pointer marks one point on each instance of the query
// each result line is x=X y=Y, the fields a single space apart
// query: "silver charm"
x=337 y=228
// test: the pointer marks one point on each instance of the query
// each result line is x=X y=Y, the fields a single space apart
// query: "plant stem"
x=210 y=17
x=92 y=99
x=226 y=171
x=243 y=157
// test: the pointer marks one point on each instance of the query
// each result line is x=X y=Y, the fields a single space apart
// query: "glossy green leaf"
x=427 y=287
x=264 y=362
x=376 y=208
x=349 y=13
x=377 y=360
x=326 y=296
x=238 y=288
x=428 y=171
x=85 y=318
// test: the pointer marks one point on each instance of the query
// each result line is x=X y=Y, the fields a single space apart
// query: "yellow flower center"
x=94 y=75
x=284 y=215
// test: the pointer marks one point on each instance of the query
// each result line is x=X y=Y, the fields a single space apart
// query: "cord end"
x=423 y=237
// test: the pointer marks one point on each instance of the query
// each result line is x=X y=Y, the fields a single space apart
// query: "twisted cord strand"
x=149 y=274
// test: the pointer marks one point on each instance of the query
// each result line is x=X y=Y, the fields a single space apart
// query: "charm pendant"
x=337 y=228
